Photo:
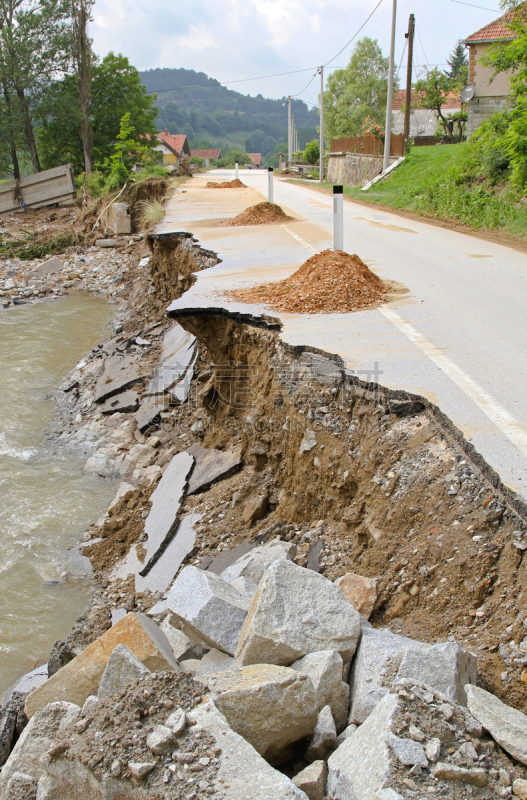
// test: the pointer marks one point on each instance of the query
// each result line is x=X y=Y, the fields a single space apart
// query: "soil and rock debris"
x=328 y=283
x=234 y=184
x=260 y=214
x=340 y=480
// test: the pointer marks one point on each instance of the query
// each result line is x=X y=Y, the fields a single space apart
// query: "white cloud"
x=235 y=39
x=197 y=39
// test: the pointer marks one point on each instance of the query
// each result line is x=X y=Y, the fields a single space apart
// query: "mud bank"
x=356 y=478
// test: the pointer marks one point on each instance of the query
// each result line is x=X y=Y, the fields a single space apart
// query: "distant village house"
x=207 y=155
x=423 y=121
x=173 y=147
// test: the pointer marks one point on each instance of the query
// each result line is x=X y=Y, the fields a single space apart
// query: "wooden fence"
x=368 y=146
x=41 y=189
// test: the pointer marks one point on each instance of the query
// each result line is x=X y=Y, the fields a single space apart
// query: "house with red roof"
x=256 y=158
x=423 y=121
x=490 y=95
x=206 y=155
x=174 y=147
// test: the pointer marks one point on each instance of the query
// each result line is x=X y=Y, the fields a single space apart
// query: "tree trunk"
x=12 y=146
x=28 y=129
x=82 y=51
x=445 y=124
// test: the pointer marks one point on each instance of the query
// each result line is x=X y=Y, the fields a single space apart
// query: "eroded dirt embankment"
x=385 y=486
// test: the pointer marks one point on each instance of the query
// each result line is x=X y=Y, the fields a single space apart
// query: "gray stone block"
x=164 y=570
x=123 y=403
x=209 y=606
x=325 y=670
x=446 y=667
x=295 y=612
x=122 y=669
x=119 y=373
x=324 y=739
x=253 y=565
x=506 y=725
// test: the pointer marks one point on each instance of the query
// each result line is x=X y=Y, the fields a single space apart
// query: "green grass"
x=40 y=247
x=438 y=182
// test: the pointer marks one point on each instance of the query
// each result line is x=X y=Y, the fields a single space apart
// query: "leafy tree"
x=511 y=57
x=33 y=47
x=257 y=141
x=269 y=143
x=433 y=91
x=233 y=156
x=458 y=63
x=312 y=152
x=356 y=92
x=127 y=152
x=116 y=89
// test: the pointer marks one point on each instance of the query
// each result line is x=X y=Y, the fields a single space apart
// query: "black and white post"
x=236 y=170
x=338 y=221
x=270 y=171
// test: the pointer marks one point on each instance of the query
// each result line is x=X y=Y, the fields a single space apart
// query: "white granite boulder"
x=253 y=565
x=271 y=707
x=209 y=606
x=325 y=669
x=295 y=612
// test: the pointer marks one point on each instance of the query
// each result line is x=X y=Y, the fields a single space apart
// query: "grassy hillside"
x=190 y=102
x=439 y=181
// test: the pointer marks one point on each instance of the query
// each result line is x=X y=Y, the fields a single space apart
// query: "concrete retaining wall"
x=351 y=169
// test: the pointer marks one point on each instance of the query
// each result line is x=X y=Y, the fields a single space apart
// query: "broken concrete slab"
x=238 y=759
x=208 y=606
x=506 y=725
x=49 y=267
x=181 y=390
x=162 y=573
x=76 y=681
x=122 y=669
x=253 y=565
x=252 y=696
x=110 y=243
x=325 y=369
x=37 y=738
x=178 y=353
x=166 y=499
x=121 y=403
x=325 y=670
x=361 y=592
x=149 y=412
x=227 y=557
x=211 y=466
x=295 y=612
x=119 y=373
x=117 y=219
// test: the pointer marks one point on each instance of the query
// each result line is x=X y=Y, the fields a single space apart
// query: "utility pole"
x=289 y=131
x=410 y=37
x=389 y=101
x=321 y=156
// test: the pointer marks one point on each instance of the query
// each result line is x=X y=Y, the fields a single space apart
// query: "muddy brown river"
x=45 y=498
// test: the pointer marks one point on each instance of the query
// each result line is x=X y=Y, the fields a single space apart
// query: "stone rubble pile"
x=264 y=682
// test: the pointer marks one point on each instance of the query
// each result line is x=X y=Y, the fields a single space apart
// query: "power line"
x=402 y=56
x=420 y=42
x=306 y=87
x=483 y=8
x=354 y=35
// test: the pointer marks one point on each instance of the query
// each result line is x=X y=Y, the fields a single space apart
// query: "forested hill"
x=190 y=102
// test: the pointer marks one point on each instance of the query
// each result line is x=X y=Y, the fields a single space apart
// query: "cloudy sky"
x=233 y=40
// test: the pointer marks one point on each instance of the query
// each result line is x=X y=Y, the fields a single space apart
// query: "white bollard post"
x=270 y=173
x=236 y=170
x=338 y=220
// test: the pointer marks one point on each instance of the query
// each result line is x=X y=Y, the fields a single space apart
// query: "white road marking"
x=512 y=429
x=302 y=241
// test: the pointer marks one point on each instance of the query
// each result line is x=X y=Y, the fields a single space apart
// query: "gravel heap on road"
x=235 y=184
x=260 y=214
x=327 y=283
